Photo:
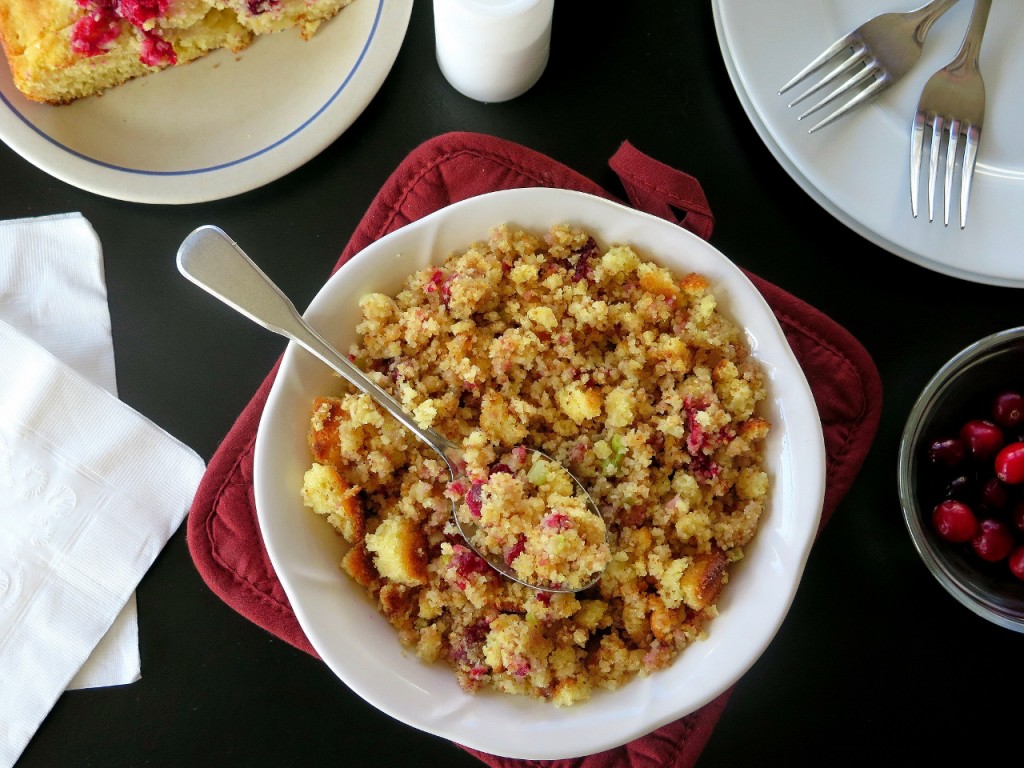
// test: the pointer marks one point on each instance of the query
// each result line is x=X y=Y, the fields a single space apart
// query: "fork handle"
x=215 y=262
x=927 y=15
x=971 y=47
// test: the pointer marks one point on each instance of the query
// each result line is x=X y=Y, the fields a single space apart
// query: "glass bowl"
x=961 y=390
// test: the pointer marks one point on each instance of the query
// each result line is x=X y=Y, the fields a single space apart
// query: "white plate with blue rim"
x=220 y=126
x=858 y=168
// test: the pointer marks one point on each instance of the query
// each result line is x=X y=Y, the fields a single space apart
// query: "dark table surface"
x=875 y=660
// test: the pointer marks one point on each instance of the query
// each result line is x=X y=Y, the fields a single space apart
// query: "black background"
x=875 y=661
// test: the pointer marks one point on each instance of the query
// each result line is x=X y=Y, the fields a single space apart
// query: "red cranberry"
x=138 y=12
x=1010 y=464
x=436 y=281
x=474 y=498
x=1017 y=516
x=156 y=51
x=583 y=268
x=1017 y=562
x=983 y=438
x=94 y=33
x=1008 y=409
x=947 y=451
x=993 y=494
x=960 y=487
x=465 y=561
x=516 y=549
x=256 y=7
x=954 y=521
x=993 y=540
x=557 y=520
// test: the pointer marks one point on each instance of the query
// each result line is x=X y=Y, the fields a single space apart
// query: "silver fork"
x=955 y=95
x=882 y=50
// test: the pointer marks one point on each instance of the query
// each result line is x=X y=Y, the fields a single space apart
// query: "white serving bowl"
x=358 y=644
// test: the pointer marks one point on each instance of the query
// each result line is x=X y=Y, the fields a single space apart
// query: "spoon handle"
x=214 y=262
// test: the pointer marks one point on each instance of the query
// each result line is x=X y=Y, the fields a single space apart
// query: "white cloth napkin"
x=90 y=490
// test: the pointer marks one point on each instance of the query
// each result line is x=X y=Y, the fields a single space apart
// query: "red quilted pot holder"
x=223 y=535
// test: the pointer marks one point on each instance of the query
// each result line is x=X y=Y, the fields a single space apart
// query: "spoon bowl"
x=213 y=261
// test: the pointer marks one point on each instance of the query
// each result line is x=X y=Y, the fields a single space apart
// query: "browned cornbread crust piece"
x=37 y=40
x=629 y=376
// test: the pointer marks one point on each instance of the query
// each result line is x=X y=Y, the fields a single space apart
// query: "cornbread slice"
x=62 y=50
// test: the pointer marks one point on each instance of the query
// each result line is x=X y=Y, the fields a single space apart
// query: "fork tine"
x=933 y=164
x=916 y=145
x=857 y=57
x=860 y=98
x=967 y=174
x=858 y=79
x=954 y=134
x=820 y=61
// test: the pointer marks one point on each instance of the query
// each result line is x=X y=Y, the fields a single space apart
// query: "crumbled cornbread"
x=526 y=511
x=628 y=376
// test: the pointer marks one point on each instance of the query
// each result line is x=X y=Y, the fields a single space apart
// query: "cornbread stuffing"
x=527 y=511
x=626 y=375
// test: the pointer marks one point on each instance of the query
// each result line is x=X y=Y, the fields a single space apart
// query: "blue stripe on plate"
x=239 y=161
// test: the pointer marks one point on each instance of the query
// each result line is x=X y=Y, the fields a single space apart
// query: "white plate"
x=221 y=125
x=858 y=168
x=363 y=649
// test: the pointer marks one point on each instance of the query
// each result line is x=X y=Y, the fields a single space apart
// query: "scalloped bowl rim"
x=362 y=649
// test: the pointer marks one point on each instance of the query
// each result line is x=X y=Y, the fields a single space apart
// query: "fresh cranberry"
x=1010 y=464
x=960 y=487
x=954 y=521
x=983 y=438
x=947 y=451
x=1017 y=516
x=501 y=467
x=993 y=541
x=1017 y=562
x=993 y=494
x=1008 y=409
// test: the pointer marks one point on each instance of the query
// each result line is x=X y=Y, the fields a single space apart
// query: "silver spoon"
x=214 y=262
